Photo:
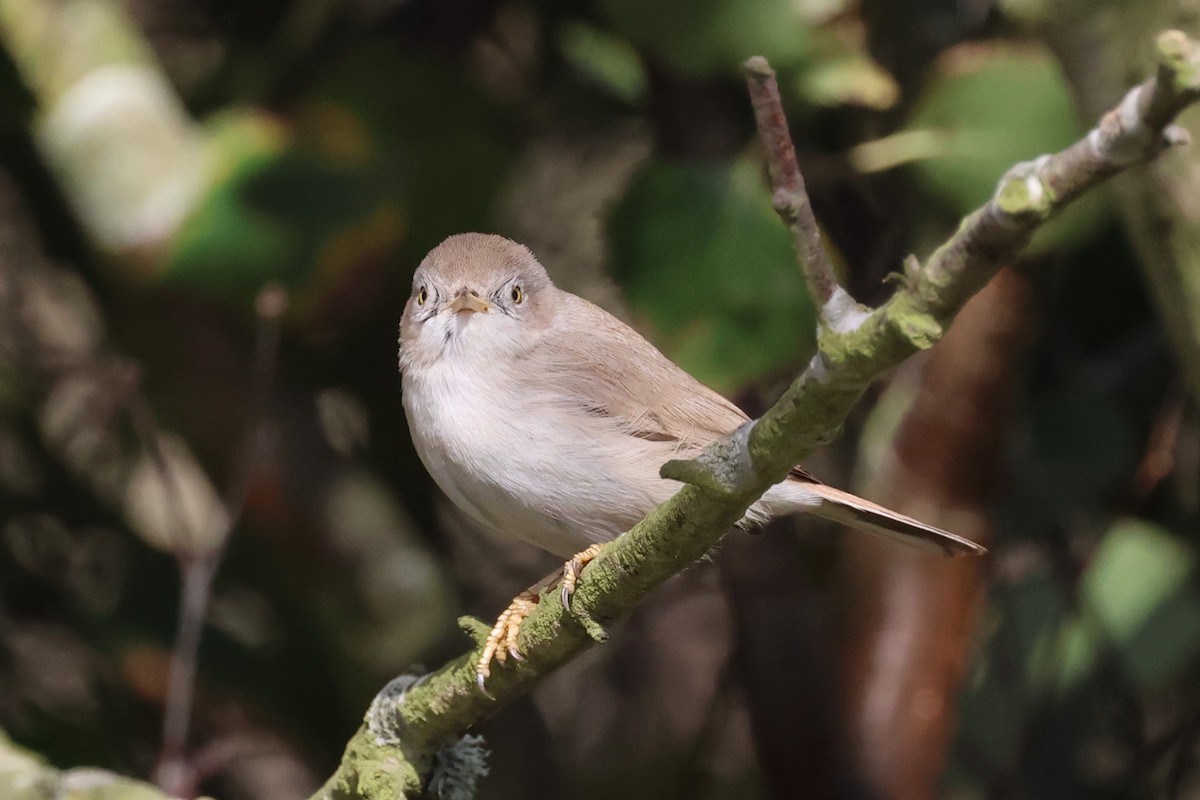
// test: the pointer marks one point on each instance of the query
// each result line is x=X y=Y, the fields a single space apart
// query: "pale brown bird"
x=546 y=419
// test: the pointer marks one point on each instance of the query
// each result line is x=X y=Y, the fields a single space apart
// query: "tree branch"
x=1157 y=205
x=734 y=471
x=24 y=776
x=837 y=308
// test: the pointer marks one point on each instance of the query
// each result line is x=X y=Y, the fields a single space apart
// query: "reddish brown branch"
x=790 y=198
x=944 y=465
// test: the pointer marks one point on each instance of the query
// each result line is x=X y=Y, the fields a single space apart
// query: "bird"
x=546 y=419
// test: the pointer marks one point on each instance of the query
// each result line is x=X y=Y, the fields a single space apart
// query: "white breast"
x=526 y=465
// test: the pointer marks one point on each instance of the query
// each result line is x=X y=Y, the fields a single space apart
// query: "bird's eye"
x=422 y=296
x=517 y=295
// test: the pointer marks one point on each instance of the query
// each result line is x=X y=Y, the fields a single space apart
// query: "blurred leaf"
x=225 y=247
x=449 y=145
x=848 y=79
x=607 y=60
x=171 y=503
x=703 y=256
x=284 y=202
x=1141 y=591
x=367 y=167
x=991 y=107
x=708 y=36
x=391 y=569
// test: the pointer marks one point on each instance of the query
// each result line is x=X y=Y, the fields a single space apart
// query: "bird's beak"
x=469 y=301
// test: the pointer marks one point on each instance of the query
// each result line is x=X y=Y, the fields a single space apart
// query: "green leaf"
x=705 y=36
x=991 y=107
x=849 y=78
x=609 y=61
x=224 y=247
x=704 y=259
x=1141 y=593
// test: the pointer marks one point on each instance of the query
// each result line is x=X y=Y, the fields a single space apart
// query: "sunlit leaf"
x=609 y=61
x=848 y=79
x=171 y=503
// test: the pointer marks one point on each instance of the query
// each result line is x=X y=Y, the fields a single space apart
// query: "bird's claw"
x=501 y=642
x=572 y=570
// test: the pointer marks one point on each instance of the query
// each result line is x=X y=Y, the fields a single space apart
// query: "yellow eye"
x=517 y=295
x=422 y=296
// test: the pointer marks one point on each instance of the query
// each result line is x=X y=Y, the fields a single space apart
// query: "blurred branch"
x=942 y=465
x=198 y=565
x=130 y=160
x=736 y=470
x=24 y=776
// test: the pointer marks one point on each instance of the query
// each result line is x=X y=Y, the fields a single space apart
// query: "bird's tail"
x=842 y=507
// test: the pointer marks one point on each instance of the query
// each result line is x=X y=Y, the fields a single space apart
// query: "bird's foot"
x=571 y=571
x=501 y=642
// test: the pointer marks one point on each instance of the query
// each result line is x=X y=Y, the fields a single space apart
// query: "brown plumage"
x=547 y=419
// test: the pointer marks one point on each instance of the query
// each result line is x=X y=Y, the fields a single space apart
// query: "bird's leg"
x=571 y=570
x=501 y=642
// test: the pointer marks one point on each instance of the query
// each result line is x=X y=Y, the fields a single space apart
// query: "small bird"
x=546 y=419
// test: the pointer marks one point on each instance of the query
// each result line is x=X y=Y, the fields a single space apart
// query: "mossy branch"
x=735 y=471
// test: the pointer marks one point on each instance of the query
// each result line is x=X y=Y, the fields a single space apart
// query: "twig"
x=1156 y=206
x=790 y=198
x=734 y=471
x=173 y=773
x=198 y=567
x=1137 y=130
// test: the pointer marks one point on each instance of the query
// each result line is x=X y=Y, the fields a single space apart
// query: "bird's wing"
x=609 y=369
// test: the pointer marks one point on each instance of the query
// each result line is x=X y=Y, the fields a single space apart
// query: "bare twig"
x=198 y=566
x=1137 y=130
x=1158 y=205
x=790 y=198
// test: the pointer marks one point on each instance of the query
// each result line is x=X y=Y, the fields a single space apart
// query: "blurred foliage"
x=998 y=106
x=1131 y=630
x=992 y=107
x=984 y=108
x=609 y=60
x=328 y=201
x=712 y=35
x=704 y=238
x=350 y=136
